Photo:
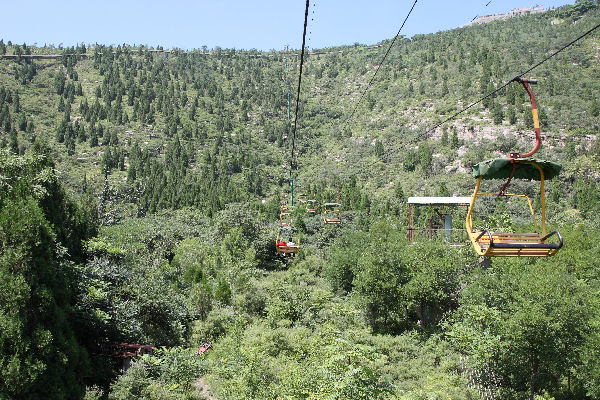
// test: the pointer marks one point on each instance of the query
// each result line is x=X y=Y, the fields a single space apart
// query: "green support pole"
x=288 y=88
x=291 y=190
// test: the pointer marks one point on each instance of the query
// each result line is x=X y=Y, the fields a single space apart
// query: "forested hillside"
x=140 y=192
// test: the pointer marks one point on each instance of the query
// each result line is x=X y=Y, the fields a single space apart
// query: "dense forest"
x=140 y=198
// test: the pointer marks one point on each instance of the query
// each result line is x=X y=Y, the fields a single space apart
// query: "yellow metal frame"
x=488 y=250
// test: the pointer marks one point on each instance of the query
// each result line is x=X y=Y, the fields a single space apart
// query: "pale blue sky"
x=260 y=24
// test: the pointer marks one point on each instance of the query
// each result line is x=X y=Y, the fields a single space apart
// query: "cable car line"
x=380 y=64
x=377 y=70
x=389 y=48
x=299 y=84
x=515 y=78
x=285 y=217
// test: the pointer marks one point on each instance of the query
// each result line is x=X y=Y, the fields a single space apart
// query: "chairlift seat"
x=332 y=213
x=508 y=244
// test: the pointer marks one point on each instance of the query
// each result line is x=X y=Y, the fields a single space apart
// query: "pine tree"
x=93 y=138
x=445 y=90
x=81 y=136
x=511 y=114
x=59 y=83
x=60 y=132
x=13 y=144
x=497 y=113
x=61 y=104
x=114 y=140
x=543 y=118
x=16 y=103
x=70 y=144
x=107 y=161
x=131 y=173
x=22 y=122
x=454 y=141
x=594 y=108
x=444 y=138
x=379 y=150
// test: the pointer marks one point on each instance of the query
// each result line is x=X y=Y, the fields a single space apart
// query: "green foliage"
x=497 y=113
x=529 y=320
x=183 y=156
x=165 y=374
x=41 y=356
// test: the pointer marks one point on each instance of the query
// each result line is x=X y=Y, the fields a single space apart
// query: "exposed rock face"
x=516 y=12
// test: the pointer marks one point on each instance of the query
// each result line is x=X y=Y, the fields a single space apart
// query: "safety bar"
x=489 y=235
x=557 y=233
x=555 y=246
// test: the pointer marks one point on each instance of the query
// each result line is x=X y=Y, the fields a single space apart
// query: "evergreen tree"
x=379 y=150
x=61 y=104
x=70 y=144
x=543 y=118
x=444 y=139
x=59 y=83
x=511 y=114
x=93 y=137
x=445 y=90
x=497 y=113
x=594 y=107
x=41 y=357
x=454 y=143
x=16 y=103
x=22 y=123
x=13 y=144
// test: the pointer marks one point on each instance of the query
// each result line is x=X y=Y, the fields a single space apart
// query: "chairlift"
x=285 y=219
x=311 y=206
x=516 y=166
x=284 y=247
x=332 y=213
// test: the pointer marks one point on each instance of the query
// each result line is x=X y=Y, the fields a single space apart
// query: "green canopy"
x=501 y=168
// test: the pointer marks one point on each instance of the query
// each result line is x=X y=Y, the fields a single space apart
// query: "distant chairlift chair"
x=311 y=206
x=285 y=219
x=283 y=247
x=332 y=213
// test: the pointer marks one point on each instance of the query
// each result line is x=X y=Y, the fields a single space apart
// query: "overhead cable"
x=381 y=63
x=520 y=75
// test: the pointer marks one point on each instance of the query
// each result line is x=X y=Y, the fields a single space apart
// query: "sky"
x=259 y=24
